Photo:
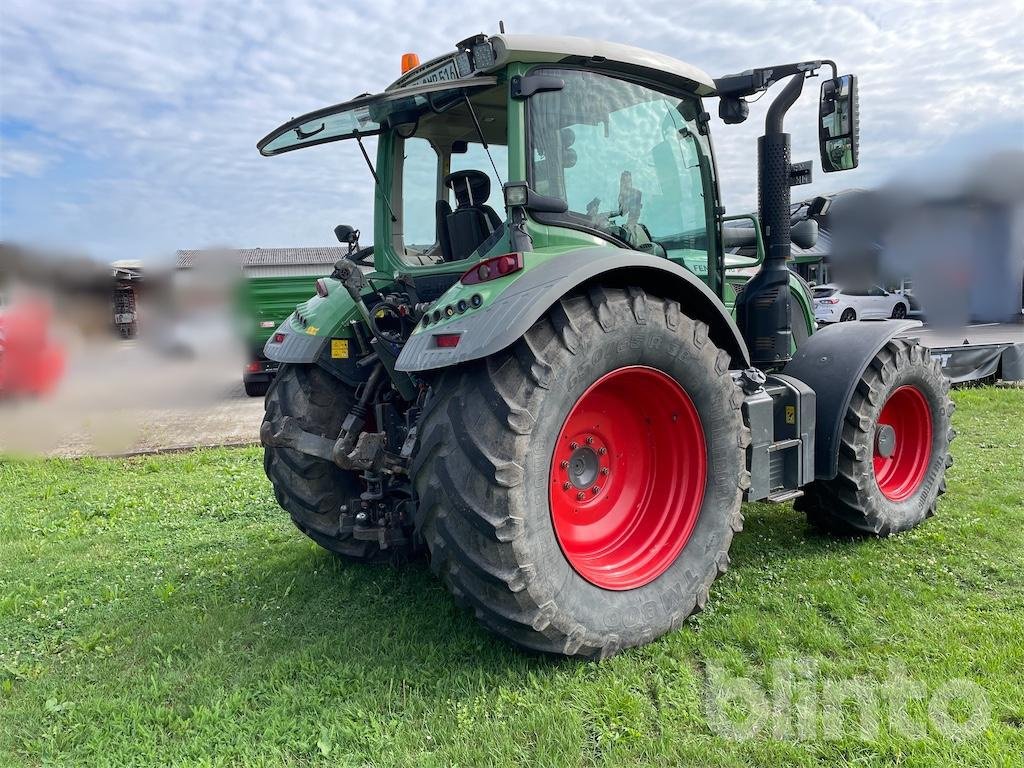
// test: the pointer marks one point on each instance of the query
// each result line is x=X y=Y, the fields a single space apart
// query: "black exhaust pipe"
x=762 y=306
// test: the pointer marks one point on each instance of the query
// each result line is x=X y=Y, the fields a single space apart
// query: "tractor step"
x=788 y=495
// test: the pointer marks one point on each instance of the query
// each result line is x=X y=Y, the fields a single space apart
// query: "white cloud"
x=20 y=162
x=142 y=122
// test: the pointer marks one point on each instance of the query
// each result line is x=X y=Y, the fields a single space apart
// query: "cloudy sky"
x=128 y=128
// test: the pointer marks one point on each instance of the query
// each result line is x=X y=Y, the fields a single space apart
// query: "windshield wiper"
x=480 y=133
x=373 y=172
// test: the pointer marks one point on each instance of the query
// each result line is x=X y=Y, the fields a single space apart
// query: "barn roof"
x=269 y=257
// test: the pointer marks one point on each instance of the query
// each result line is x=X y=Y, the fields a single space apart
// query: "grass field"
x=161 y=611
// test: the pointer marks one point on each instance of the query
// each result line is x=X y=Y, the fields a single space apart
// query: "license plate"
x=439 y=74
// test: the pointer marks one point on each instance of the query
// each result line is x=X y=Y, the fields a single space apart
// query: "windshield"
x=630 y=162
x=367 y=115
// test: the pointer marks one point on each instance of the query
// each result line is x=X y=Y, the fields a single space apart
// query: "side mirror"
x=837 y=127
x=347 y=236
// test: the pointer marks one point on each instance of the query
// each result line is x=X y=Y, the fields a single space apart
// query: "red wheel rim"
x=627 y=478
x=903 y=443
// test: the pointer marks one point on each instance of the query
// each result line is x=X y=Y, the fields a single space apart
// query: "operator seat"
x=460 y=232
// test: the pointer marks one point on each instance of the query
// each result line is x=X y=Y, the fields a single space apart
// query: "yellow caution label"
x=791 y=414
x=339 y=349
x=312 y=330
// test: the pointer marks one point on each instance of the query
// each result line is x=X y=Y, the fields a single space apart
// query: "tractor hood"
x=369 y=115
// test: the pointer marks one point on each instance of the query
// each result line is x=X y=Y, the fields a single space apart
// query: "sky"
x=128 y=129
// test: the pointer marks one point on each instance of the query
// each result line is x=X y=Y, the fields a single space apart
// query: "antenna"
x=501 y=26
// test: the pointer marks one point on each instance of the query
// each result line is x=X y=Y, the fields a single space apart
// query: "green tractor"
x=548 y=379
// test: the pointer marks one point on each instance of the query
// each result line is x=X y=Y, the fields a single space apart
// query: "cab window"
x=450 y=192
x=630 y=162
x=420 y=170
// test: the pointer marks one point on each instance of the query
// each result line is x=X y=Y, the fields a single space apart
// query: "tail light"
x=254 y=367
x=493 y=268
x=828 y=301
x=321 y=288
x=446 y=340
x=278 y=338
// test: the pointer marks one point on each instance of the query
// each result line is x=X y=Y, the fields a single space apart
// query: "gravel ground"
x=127 y=398
x=235 y=420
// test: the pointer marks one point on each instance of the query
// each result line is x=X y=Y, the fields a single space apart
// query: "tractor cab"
x=615 y=139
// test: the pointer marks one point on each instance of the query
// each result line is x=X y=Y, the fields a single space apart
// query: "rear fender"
x=831 y=362
x=312 y=326
x=505 y=319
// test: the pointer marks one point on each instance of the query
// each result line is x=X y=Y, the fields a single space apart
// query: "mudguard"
x=498 y=324
x=831 y=362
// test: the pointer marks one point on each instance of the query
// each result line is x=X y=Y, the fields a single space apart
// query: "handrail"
x=757 y=238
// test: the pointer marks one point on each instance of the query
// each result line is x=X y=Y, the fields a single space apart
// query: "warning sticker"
x=339 y=349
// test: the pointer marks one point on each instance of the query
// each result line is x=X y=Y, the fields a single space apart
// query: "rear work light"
x=321 y=288
x=446 y=340
x=493 y=268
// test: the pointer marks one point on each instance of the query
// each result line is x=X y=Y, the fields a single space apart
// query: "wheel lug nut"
x=596 y=488
x=565 y=486
x=604 y=470
x=602 y=451
x=579 y=496
x=590 y=441
x=564 y=465
x=573 y=446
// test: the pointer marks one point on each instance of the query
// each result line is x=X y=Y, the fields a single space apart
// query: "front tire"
x=310 y=489
x=894 y=448
x=613 y=380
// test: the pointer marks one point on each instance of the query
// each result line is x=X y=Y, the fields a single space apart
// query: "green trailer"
x=274 y=281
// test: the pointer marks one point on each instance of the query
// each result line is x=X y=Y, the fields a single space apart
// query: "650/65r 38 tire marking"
x=627 y=477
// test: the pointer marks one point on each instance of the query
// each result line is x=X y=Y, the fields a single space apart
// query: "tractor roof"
x=595 y=54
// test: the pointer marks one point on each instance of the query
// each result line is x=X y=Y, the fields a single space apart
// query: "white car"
x=833 y=304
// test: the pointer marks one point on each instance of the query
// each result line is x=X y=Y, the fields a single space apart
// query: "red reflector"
x=493 y=268
x=447 y=340
x=321 y=288
x=254 y=367
x=279 y=338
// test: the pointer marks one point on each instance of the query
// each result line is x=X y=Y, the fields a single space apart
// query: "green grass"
x=164 y=611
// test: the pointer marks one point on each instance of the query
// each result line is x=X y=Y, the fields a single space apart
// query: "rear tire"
x=310 y=489
x=488 y=476
x=899 y=311
x=881 y=494
x=848 y=315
